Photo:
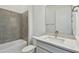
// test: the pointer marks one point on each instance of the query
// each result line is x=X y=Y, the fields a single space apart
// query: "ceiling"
x=15 y=8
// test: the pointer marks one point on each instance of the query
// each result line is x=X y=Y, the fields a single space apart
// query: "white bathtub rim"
x=12 y=43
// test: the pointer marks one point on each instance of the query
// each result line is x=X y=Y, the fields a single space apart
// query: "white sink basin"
x=47 y=37
x=58 y=39
x=52 y=38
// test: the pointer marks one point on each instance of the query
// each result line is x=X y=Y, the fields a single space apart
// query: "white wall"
x=38 y=20
x=15 y=8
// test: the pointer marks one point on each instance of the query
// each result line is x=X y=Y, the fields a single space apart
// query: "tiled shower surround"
x=24 y=26
x=10 y=23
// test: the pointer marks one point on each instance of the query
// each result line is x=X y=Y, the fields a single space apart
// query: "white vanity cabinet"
x=43 y=47
x=54 y=45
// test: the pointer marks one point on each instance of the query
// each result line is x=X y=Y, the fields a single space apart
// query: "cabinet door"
x=50 y=48
x=40 y=50
x=63 y=19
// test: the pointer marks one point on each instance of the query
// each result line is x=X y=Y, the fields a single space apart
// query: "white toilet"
x=29 y=49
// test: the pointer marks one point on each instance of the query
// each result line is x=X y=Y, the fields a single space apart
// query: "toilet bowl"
x=29 y=49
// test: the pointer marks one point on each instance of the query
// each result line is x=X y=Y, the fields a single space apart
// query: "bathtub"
x=13 y=47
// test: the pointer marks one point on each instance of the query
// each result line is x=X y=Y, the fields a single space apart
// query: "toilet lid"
x=28 y=48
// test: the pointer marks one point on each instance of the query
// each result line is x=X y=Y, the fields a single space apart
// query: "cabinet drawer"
x=51 y=48
x=40 y=50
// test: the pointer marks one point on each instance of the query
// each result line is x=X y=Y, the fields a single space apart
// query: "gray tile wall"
x=24 y=26
x=9 y=26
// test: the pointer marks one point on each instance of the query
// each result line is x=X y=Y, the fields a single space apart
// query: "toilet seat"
x=29 y=49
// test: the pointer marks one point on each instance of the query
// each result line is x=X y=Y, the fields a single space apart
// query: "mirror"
x=58 y=19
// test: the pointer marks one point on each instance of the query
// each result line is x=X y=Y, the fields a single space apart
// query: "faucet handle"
x=56 y=32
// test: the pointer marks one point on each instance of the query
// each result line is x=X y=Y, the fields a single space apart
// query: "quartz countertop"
x=66 y=43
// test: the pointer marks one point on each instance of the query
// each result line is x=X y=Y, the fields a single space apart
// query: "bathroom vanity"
x=62 y=20
x=50 y=44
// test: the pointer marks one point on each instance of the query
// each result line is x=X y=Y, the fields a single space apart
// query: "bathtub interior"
x=13 y=47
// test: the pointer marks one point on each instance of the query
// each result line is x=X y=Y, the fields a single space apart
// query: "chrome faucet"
x=56 y=33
